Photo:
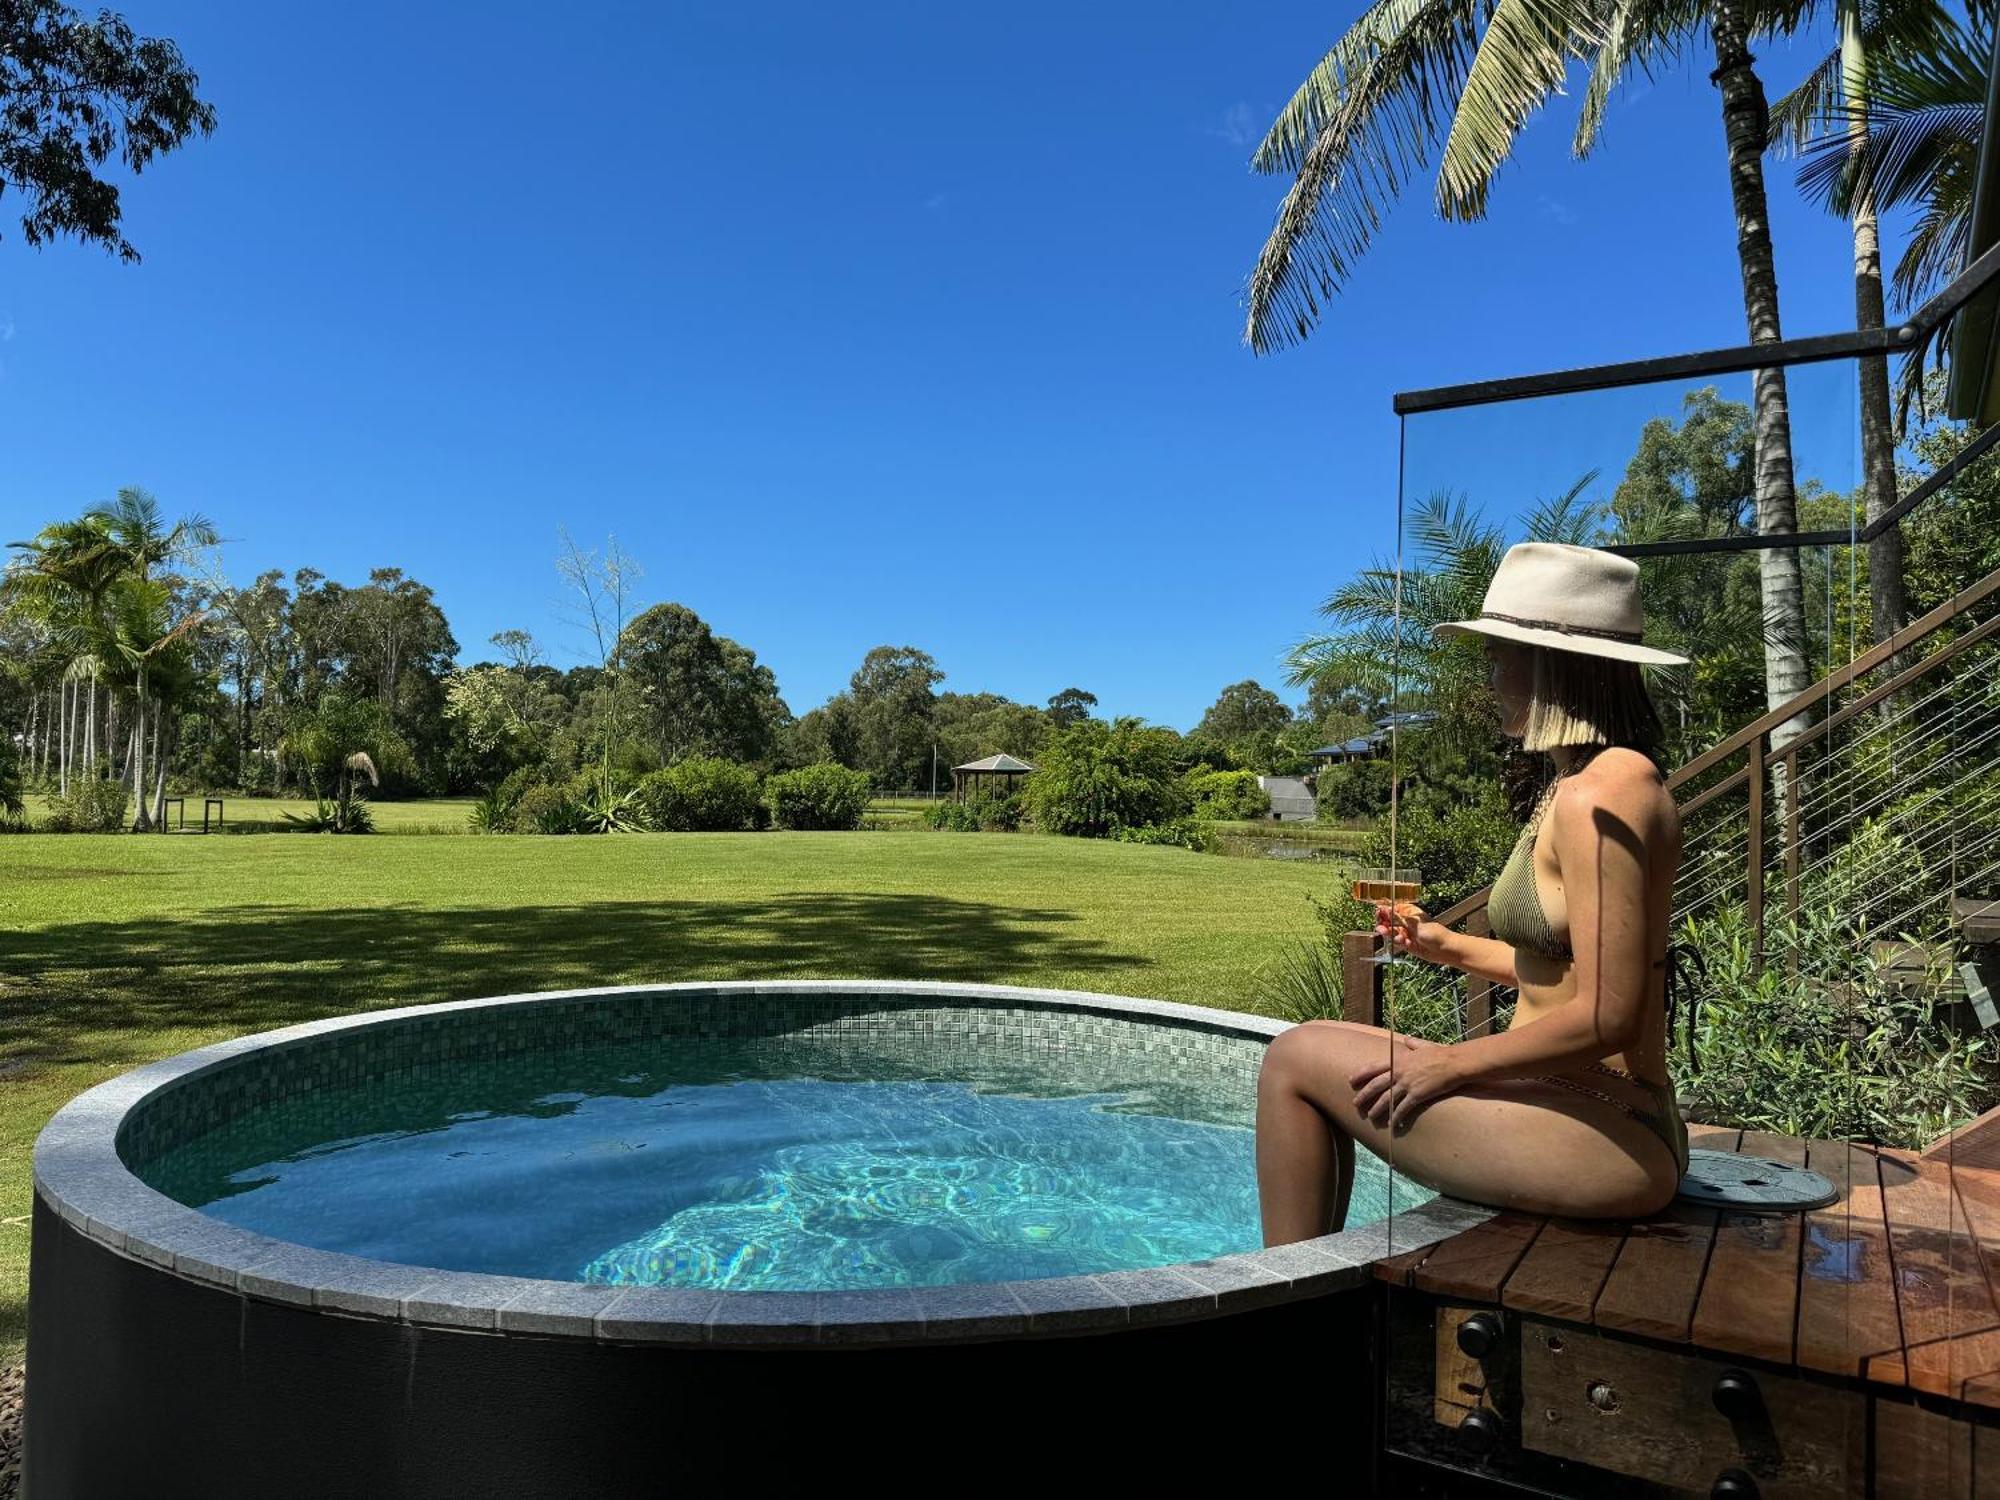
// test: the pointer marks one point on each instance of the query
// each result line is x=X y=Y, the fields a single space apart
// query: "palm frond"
x=1522 y=58
x=1365 y=122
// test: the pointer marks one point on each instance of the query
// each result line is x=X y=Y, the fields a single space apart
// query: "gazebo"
x=972 y=776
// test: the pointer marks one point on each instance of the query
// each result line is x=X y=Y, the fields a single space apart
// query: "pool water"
x=677 y=1164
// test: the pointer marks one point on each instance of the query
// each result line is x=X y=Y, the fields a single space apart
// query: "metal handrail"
x=1737 y=358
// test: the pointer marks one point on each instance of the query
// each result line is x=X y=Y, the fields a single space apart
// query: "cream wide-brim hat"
x=1579 y=599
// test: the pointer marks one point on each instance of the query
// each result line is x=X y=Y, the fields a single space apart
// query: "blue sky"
x=857 y=325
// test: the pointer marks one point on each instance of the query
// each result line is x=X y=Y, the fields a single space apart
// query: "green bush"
x=975 y=815
x=549 y=809
x=1822 y=1039
x=1358 y=789
x=92 y=806
x=1178 y=833
x=952 y=817
x=1095 y=777
x=819 y=796
x=1231 y=796
x=703 y=794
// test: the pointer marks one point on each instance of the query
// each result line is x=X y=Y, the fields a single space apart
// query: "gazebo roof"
x=995 y=763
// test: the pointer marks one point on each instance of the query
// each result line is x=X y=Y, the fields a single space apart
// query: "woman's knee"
x=1310 y=1048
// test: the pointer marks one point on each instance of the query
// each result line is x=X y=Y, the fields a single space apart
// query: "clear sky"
x=860 y=324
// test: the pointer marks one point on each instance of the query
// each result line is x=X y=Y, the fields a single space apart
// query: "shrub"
x=1095 y=777
x=952 y=817
x=975 y=815
x=1823 y=1040
x=1358 y=789
x=548 y=809
x=1232 y=796
x=492 y=813
x=1179 y=833
x=703 y=794
x=819 y=796
x=92 y=806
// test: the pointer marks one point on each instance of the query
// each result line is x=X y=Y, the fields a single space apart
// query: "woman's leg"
x=1517 y=1144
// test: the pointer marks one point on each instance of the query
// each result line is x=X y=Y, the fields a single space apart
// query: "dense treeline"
x=129 y=661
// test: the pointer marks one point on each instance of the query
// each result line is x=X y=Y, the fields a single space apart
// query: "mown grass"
x=121 y=949
x=267 y=814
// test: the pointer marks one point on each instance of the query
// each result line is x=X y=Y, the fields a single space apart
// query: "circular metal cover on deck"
x=1723 y=1179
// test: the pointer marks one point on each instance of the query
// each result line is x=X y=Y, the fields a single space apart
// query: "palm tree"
x=1835 y=100
x=1463 y=77
x=1913 y=142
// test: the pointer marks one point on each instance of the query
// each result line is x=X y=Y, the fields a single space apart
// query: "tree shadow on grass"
x=70 y=990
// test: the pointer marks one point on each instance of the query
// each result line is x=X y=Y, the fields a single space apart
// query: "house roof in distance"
x=995 y=763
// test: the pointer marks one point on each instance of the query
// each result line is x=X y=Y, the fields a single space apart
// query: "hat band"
x=1631 y=637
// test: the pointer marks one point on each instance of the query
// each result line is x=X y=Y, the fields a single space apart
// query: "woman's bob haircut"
x=1588 y=700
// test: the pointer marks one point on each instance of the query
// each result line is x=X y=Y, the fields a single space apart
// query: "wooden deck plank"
x=1656 y=1281
x=1941 y=1290
x=1565 y=1268
x=1847 y=1306
x=1397 y=1269
x=1920 y=1455
x=1979 y=1198
x=1714 y=1137
x=1473 y=1266
x=1749 y=1301
x=1750 y=1297
x=1943 y=1367
x=1984 y=1390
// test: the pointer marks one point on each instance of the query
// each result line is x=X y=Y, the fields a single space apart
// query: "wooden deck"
x=1889 y=1293
x=1893 y=1285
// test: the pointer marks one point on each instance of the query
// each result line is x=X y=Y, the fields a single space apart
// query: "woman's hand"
x=1404 y=927
x=1392 y=1093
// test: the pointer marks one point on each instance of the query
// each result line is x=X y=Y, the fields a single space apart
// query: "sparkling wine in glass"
x=1397 y=887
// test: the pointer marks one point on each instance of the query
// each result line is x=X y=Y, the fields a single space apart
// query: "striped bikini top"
x=1514 y=906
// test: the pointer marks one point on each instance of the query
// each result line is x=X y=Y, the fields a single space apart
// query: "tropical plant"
x=331 y=815
x=1462 y=78
x=493 y=812
x=1901 y=131
x=611 y=810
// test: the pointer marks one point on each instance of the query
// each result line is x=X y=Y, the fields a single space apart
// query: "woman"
x=1569 y=1111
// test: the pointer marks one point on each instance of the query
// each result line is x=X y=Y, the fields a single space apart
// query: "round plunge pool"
x=389 y=1245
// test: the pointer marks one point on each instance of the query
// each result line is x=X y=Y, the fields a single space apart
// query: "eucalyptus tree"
x=1461 y=78
x=75 y=90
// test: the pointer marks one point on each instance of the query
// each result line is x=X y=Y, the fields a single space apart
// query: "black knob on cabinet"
x=1479 y=1433
x=1737 y=1396
x=1479 y=1335
x=1733 y=1484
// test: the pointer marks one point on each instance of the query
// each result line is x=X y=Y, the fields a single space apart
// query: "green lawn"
x=120 y=949
x=267 y=814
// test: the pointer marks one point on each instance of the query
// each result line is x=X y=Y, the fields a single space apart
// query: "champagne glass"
x=1399 y=887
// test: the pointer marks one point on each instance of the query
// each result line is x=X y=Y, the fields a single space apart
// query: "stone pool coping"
x=80 y=1175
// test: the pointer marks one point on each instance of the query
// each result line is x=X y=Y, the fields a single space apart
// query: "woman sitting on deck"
x=1570 y=1110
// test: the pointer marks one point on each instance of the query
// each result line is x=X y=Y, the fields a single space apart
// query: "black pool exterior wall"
x=145 y=1382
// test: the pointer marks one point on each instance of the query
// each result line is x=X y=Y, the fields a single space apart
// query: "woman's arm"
x=1486 y=957
x=1601 y=831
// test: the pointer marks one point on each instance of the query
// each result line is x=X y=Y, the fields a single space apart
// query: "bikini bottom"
x=1664 y=1121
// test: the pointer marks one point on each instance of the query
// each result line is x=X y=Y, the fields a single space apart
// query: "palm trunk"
x=142 y=818
x=1744 y=120
x=1887 y=611
x=69 y=730
x=161 y=752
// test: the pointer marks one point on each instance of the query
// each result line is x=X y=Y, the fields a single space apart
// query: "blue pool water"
x=639 y=1166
